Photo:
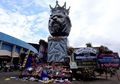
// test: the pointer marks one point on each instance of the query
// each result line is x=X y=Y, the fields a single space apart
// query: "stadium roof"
x=18 y=42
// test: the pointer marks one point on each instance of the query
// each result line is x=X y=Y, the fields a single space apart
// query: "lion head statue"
x=59 y=22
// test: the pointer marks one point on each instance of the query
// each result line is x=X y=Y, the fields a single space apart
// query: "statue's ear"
x=68 y=21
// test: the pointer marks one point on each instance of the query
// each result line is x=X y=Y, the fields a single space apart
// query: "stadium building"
x=11 y=48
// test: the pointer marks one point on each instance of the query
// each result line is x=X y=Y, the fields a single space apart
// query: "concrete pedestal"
x=57 y=49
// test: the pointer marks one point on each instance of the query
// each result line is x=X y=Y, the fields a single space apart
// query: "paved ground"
x=4 y=75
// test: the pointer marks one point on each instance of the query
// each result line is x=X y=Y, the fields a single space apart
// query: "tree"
x=70 y=50
x=88 y=44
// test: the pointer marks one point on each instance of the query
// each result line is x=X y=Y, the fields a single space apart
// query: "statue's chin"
x=59 y=34
x=55 y=25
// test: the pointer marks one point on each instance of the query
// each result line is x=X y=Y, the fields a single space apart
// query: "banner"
x=85 y=57
x=109 y=60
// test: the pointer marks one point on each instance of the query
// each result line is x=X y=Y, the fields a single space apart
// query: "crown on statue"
x=58 y=9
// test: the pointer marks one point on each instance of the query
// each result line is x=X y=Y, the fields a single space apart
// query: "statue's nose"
x=55 y=18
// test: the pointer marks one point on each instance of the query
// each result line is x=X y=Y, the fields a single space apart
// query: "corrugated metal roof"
x=13 y=40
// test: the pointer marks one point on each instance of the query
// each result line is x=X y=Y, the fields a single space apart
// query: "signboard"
x=73 y=65
x=85 y=57
x=109 y=60
x=86 y=50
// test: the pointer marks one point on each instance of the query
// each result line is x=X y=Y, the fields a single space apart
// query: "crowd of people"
x=8 y=66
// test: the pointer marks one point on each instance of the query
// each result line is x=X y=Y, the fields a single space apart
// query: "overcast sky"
x=94 y=21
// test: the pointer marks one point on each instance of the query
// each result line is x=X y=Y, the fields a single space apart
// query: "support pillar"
x=1 y=44
x=12 y=53
x=21 y=51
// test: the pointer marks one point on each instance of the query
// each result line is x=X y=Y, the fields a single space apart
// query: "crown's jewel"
x=59 y=8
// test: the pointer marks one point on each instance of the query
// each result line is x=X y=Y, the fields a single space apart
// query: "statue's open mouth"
x=55 y=23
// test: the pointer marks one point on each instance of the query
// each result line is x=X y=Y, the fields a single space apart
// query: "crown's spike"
x=56 y=2
x=60 y=8
x=68 y=8
x=57 y=5
x=64 y=6
x=51 y=7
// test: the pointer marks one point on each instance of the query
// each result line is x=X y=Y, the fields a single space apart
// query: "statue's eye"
x=51 y=16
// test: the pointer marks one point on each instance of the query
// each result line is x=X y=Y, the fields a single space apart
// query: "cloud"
x=95 y=21
x=22 y=26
